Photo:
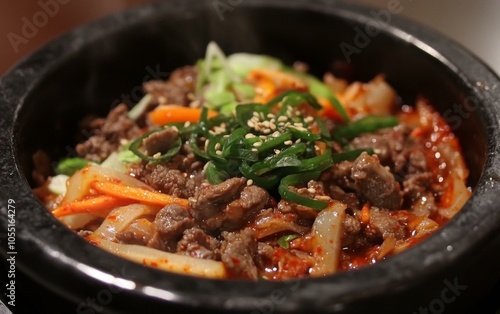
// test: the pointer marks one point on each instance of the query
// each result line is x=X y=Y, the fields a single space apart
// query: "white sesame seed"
x=186 y=124
x=157 y=155
x=308 y=119
x=225 y=136
x=174 y=128
x=297 y=141
x=255 y=150
x=123 y=141
x=206 y=144
x=282 y=119
x=277 y=151
x=250 y=123
x=255 y=114
x=266 y=131
x=276 y=134
x=217 y=146
x=257 y=144
x=297 y=113
x=218 y=153
x=322 y=198
x=288 y=142
x=311 y=190
x=298 y=124
x=263 y=137
x=249 y=135
x=272 y=126
x=249 y=182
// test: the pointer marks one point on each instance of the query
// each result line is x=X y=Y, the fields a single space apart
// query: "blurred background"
x=471 y=23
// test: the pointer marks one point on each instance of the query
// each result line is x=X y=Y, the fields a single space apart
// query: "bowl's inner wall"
x=112 y=69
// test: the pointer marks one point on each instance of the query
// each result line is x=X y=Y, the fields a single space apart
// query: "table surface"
x=475 y=25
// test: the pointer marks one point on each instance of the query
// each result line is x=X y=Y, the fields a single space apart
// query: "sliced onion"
x=270 y=223
x=119 y=219
x=79 y=184
x=327 y=233
x=176 y=263
x=387 y=246
x=77 y=221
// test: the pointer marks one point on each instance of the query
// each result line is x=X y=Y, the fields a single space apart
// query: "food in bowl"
x=242 y=167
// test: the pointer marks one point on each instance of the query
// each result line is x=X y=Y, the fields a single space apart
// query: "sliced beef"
x=171 y=221
x=376 y=183
x=227 y=205
x=416 y=185
x=354 y=238
x=160 y=142
x=105 y=134
x=210 y=201
x=252 y=199
x=178 y=89
x=168 y=180
x=383 y=225
x=387 y=144
x=141 y=232
x=395 y=148
x=196 y=243
x=238 y=251
x=348 y=198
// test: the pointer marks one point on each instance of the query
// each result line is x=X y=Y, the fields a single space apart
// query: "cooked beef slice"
x=196 y=243
x=238 y=250
x=160 y=142
x=383 y=225
x=376 y=183
x=171 y=221
x=395 y=148
x=227 y=205
x=252 y=199
x=177 y=89
x=167 y=179
x=106 y=134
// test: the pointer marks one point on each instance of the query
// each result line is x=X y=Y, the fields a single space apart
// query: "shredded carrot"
x=328 y=110
x=90 y=205
x=137 y=194
x=164 y=114
x=365 y=213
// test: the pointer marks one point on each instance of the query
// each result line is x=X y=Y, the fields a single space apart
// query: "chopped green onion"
x=69 y=166
x=215 y=175
x=284 y=241
x=242 y=63
x=295 y=179
x=140 y=107
x=364 y=125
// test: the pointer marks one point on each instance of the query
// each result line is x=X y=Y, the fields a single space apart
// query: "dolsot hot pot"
x=94 y=67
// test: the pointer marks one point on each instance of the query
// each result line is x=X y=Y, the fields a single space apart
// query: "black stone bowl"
x=99 y=65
